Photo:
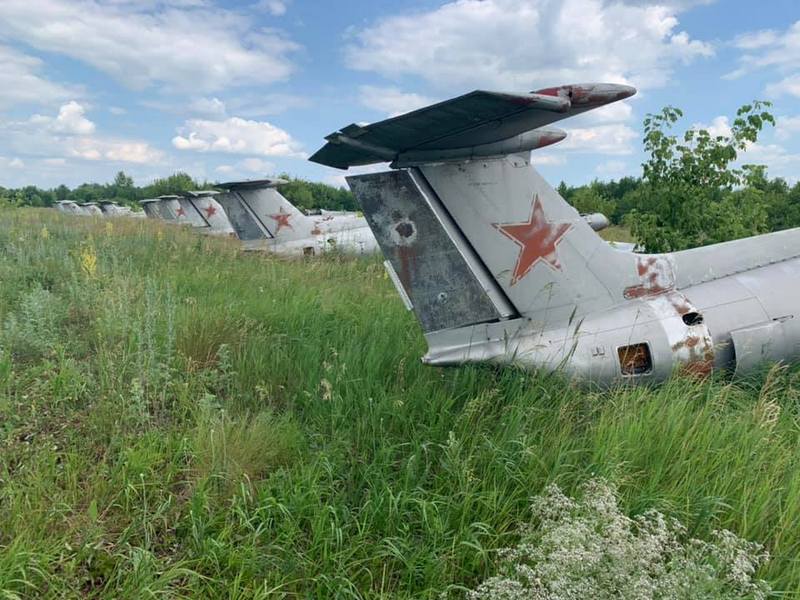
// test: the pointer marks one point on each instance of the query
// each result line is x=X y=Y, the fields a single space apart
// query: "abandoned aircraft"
x=265 y=220
x=498 y=267
x=197 y=209
x=112 y=209
x=68 y=207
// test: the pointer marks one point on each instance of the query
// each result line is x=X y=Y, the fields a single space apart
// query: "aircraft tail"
x=482 y=241
x=259 y=210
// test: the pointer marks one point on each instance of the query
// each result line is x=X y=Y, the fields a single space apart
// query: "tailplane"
x=471 y=230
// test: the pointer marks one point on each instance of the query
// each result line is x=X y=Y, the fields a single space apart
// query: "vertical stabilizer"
x=440 y=274
x=489 y=240
x=262 y=207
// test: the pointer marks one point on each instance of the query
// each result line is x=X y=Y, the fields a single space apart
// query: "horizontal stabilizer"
x=476 y=119
x=252 y=184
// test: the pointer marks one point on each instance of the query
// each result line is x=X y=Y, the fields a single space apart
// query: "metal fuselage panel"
x=746 y=319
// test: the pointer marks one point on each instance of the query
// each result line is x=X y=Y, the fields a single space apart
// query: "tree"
x=590 y=199
x=179 y=182
x=687 y=197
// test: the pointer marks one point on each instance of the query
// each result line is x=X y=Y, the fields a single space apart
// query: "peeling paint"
x=656 y=275
x=691 y=345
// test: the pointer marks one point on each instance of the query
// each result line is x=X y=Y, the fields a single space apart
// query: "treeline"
x=693 y=190
x=778 y=202
x=303 y=194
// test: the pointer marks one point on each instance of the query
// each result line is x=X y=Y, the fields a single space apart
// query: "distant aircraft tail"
x=258 y=210
x=201 y=209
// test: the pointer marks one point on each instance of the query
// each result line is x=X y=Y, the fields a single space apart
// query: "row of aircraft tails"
x=499 y=268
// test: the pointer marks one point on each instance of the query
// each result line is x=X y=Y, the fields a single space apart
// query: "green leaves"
x=690 y=185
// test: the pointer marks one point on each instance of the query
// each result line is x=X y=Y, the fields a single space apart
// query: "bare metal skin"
x=499 y=268
x=265 y=220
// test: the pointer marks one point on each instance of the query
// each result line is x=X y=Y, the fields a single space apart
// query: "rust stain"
x=700 y=355
x=408 y=259
x=656 y=277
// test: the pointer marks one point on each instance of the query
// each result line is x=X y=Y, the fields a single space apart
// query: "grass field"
x=180 y=419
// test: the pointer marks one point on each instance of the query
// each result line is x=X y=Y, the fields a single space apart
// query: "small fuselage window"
x=635 y=359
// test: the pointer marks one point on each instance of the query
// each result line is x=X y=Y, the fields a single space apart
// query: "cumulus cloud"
x=522 y=44
x=21 y=81
x=236 y=136
x=72 y=135
x=776 y=52
x=70 y=120
x=391 y=100
x=189 y=46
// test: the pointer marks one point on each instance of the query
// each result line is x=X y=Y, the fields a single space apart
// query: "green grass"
x=617 y=233
x=194 y=421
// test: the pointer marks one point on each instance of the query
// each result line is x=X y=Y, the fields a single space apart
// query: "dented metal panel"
x=439 y=283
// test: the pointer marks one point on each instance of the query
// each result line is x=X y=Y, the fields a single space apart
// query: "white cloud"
x=391 y=100
x=276 y=8
x=720 y=126
x=787 y=127
x=20 y=81
x=236 y=136
x=756 y=39
x=525 y=44
x=603 y=139
x=337 y=178
x=71 y=135
x=772 y=51
x=550 y=160
x=209 y=107
x=117 y=110
x=14 y=163
x=71 y=120
x=789 y=86
x=248 y=165
x=195 y=47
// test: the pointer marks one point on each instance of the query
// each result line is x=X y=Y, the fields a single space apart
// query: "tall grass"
x=187 y=420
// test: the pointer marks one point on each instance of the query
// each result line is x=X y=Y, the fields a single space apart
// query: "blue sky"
x=227 y=89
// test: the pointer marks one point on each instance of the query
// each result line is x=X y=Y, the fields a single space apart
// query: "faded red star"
x=537 y=238
x=210 y=210
x=180 y=212
x=282 y=219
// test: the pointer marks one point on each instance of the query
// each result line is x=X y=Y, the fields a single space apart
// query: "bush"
x=589 y=549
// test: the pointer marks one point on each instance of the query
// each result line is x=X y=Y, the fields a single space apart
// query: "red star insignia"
x=181 y=212
x=282 y=219
x=537 y=239
x=210 y=210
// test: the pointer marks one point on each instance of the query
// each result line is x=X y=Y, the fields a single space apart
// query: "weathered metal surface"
x=466 y=235
x=464 y=123
x=242 y=219
x=440 y=285
x=656 y=275
x=265 y=220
